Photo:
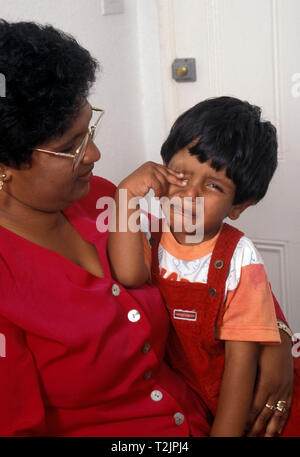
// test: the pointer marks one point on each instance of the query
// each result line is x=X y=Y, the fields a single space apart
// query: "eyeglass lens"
x=93 y=130
x=81 y=152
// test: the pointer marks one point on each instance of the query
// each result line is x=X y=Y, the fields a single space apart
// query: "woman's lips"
x=87 y=176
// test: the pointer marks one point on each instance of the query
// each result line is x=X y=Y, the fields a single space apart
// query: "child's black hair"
x=232 y=135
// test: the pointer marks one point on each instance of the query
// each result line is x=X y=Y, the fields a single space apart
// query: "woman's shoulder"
x=101 y=187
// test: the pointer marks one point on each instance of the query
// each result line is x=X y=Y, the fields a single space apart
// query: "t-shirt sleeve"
x=21 y=405
x=249 y=312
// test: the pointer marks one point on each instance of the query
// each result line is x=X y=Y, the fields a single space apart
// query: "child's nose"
x=191 y=191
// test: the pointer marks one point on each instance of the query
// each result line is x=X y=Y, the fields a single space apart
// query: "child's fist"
x=151 y=175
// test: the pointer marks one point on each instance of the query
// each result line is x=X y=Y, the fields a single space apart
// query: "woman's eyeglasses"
x=78 y=155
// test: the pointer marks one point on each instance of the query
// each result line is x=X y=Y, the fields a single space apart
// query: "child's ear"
x=236 y=210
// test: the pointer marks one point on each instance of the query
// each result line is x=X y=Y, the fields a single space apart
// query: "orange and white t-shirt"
x=249 y=309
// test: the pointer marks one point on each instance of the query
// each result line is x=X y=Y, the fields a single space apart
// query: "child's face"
x=203 y=181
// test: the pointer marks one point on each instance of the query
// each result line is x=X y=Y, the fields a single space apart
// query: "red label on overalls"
x=185 y=315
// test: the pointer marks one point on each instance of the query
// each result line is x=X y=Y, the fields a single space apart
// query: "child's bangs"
x=218 y=160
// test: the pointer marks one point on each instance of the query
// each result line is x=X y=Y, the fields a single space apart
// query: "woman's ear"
x=236 y=210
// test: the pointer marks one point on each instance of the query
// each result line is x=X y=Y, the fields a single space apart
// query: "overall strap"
x=217 y=275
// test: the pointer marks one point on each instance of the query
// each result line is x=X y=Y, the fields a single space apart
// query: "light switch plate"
x=112 y=7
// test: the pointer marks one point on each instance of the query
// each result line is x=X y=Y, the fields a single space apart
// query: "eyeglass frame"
x=80 y=151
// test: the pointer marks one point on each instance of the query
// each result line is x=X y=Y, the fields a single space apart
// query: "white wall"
x=150 y=68
x=114 y=41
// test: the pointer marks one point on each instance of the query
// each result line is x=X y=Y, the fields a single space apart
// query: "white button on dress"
x=134 y=315
x=156 y=395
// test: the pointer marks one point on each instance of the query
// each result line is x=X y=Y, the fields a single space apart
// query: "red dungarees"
x=195 y=310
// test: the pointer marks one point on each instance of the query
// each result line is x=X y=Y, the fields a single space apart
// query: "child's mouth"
x=185 y=212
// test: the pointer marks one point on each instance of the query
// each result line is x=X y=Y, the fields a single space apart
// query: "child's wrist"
x=124 y=187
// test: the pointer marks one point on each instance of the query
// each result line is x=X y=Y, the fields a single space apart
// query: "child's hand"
x=151 y=176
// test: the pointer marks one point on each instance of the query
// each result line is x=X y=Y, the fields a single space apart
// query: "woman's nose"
x=92 y=153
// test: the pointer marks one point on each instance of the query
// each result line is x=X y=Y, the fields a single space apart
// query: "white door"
x=249 y=49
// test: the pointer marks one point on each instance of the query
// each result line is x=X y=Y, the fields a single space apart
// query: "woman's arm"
x=125 y=244
x=274 y=383
x=279 y=314
x=237 y=389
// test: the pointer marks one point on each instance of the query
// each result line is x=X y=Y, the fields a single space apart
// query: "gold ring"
x=281 y=406
x=271 y=407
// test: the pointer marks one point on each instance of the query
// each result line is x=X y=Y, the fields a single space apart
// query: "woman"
x=84 y=356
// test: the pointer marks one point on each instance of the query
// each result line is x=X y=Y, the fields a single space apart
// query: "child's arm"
x=237 y=388
x=125 y=248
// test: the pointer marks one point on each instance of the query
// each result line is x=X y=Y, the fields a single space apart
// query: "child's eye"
x=178 y=171
x=215 y=186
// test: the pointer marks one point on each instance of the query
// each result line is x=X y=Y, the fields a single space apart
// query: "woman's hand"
x=274 y=383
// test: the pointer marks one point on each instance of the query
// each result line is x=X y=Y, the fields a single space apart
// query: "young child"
x=216 y=290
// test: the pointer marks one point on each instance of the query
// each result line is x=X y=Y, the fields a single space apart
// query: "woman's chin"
x=81 y=190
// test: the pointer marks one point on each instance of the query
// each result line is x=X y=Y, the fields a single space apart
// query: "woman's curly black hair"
x=232 y=136
x=48 y=75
